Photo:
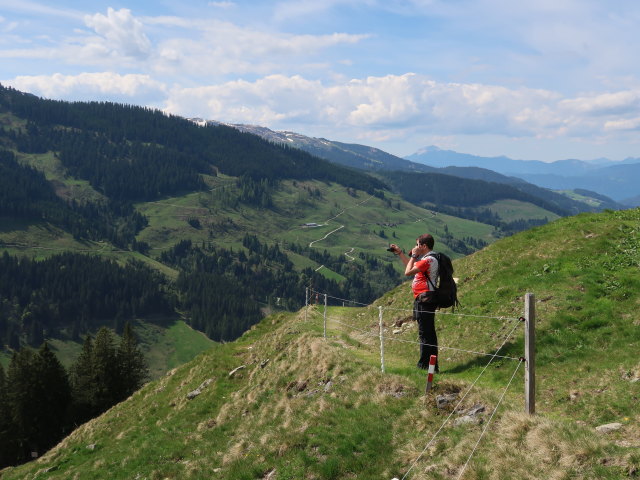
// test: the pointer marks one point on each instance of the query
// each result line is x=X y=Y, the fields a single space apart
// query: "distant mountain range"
x=517 y=173
x=348 y=154
x=617 y=180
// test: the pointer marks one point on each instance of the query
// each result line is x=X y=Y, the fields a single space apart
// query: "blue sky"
x=545 y=80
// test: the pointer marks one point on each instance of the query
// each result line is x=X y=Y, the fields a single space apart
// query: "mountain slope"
x=372 y=159
x=469 y=192
x=283 y=402
x=353 y=155
x=617 y=180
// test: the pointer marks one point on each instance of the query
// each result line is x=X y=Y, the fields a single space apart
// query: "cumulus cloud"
x=393 y=105
x=91 y=86
x=120 y=33
x=266 y=101
x=605 y=104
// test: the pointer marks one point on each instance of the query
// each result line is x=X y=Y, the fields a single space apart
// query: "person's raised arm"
x=398 y=251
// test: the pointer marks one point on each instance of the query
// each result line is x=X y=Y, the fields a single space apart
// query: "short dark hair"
x=427 y=240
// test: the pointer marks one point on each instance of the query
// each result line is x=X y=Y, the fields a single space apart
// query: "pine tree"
x=37 y=396
x=105 y=370
x=83 y=384
x=53 y=395
x=6 y=453
x=132 y=366
x=22 y=403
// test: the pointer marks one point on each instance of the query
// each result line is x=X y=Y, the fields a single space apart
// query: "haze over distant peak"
x=619 y=180
x=434 y=149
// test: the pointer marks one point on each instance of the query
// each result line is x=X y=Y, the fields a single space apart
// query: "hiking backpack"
x=447 y=290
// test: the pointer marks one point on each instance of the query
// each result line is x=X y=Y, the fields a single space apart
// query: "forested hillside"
x=116 y=148
x=69 y=294
x=438 y=189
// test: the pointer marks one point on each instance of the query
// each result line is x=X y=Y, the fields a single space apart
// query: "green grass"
x=594 y=202
x=172 y=346
x=510 y=210
x=65 y=186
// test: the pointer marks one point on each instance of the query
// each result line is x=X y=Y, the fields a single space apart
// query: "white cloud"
x=222 y=48
x=90 y=86
x=266 y=101
x=182 y=47
x=617 y=103
x=626 y=124
x=398 y=105
x=120 y=33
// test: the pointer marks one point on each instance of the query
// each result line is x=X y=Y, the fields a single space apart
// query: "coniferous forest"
x=70 y=294
x=41 y=402
x=237 y=285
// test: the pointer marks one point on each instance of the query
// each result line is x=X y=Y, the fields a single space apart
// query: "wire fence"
x=316 y=314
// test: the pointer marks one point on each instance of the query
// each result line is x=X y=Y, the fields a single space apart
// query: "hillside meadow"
x=284 y=402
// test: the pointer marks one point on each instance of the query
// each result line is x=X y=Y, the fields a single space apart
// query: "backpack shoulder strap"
x=437 y=257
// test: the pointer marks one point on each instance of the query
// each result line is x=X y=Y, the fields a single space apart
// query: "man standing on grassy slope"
x=424 y=268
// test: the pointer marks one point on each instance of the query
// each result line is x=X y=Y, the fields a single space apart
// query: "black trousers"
x=424 y=314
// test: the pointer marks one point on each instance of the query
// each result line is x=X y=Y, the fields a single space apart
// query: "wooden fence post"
x=306 y=302
x=530 y=353
x=381 y=338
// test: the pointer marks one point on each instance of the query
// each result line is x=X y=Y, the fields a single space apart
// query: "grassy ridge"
x=510 y=210
x=306 y=407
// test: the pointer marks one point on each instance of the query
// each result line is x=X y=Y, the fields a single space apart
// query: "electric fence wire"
x=490 y=418
x=391 y=339
x=457 y=405
x=502 y=317
x=312 y=292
